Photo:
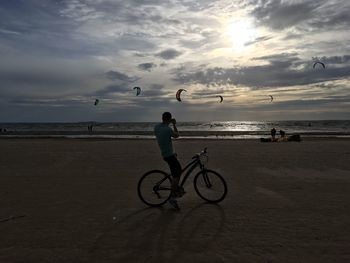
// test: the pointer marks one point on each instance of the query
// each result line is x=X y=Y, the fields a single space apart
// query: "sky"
x=57 y=57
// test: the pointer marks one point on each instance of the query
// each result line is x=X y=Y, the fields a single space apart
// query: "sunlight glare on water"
x=243 y=126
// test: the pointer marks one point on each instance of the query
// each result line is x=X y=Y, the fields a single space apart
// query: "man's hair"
x=166 y=116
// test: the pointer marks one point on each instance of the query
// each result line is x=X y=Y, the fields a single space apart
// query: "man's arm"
x=175 y=133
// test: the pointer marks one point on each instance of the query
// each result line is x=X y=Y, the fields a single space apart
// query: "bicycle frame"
x=190 y=166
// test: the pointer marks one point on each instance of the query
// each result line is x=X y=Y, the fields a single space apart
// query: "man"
x=164 y=134
x=273 y=134
x=282 y=133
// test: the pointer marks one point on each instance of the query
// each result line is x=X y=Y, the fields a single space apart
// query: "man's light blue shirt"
x=163 y=134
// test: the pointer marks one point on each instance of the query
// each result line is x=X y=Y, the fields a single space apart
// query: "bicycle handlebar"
x=198 y=154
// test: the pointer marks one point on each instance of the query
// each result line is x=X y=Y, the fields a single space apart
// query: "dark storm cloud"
x=279 y=72
x=116 y=75
x=279 y=14
x=169 y=54
x=147 y=66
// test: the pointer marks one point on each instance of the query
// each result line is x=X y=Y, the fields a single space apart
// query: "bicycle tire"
x=147 y=188
x=204 y=185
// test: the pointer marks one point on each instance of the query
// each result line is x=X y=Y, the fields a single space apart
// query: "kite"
x=96 y=102
x=221 y=98
x=271 y=98
x=178 y=93
x=319 y=62
x=138 y=90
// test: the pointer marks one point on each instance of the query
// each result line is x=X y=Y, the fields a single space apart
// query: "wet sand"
x=75 y=201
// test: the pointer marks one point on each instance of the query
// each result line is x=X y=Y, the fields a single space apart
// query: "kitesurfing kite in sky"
x=319 y=62
x=138 y=90
x=96 y=102
x=271 y=98
x=178 y=93
x=221 y=98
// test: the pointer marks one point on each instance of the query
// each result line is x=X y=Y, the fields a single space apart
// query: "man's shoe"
x=173 y=203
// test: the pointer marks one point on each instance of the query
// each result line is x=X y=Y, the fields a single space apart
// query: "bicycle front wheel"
x=210 y=186
x=154 y=188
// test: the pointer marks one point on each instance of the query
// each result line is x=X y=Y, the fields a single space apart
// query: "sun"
x=241 y=32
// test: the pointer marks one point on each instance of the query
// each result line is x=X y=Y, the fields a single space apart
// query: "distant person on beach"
x=282 y=133
x=164 y=134
x=273 y=134
x=90 y=127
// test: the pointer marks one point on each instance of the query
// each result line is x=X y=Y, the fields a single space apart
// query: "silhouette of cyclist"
x=164 y=135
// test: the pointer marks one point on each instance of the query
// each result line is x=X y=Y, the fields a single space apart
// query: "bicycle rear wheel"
x=210 y=186
x=154 y=188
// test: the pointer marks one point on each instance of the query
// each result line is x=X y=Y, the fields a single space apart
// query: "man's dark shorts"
x=174 y=165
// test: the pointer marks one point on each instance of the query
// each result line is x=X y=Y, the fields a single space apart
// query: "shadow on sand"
x=160 y=234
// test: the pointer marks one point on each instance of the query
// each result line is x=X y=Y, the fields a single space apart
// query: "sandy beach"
x=75 y=200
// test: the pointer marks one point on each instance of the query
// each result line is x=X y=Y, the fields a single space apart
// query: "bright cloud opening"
x=241 y=32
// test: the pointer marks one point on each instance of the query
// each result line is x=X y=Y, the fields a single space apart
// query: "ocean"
x=205 y=130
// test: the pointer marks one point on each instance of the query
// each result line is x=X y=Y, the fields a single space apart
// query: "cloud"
x=116 y=75
x=30 y=79
x=334 y=15
x=196 y=6
x=258 y=40
x=169 y=54
x=208 y=92
x=147 y=66
x=155 y=91
x=4 y=31
x=281 y=70
x=79 y=45
x=278 y=14
x=47 y=102
x=333 y=59
x=115 y=88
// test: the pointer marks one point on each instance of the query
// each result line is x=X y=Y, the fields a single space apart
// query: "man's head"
x=166 y=117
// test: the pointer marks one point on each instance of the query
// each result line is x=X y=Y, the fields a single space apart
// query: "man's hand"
x=175 y=133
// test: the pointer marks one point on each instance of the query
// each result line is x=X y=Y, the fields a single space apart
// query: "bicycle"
x=154 y=186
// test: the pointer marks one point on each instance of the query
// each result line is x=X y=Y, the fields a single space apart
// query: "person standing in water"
x=273 y=134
